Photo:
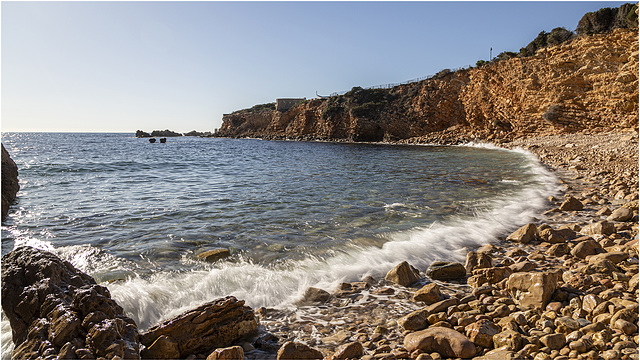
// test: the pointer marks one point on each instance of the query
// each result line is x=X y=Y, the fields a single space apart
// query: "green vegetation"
x=544 y=39
x=257 y=108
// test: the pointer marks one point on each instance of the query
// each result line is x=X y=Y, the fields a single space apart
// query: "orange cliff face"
x=587 y=84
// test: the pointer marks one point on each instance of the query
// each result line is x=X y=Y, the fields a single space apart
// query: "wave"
x=149 y=299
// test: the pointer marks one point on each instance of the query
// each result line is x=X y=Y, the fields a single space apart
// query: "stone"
x=298 y=351
x=214 y=255
x=571 y=204
x=403 y=274
x=444 y=341
x=444 y=271
x=50 y=303
x=551 y=236
x=622 y=214
x=498 y=354
x=314 y=296
x=559 y=250
x=481 y=332
x=349 y=351
x=585 y=248
x=428 y=294
x=163 y=348
x=602 y=227
x=508 y=340
x=227 y=353
x=532 y=289
x=476 y=260
x=441 y=306
x=590 y=302
x=625 y=326
x=416 y=320
x=566 y=325
x=613 y=257
x=524 y=266
x=215 y=324
x=554 y=341
x=525 y=234
x=10 y=185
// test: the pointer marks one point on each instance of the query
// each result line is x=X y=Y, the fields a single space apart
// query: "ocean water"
x=134 y=215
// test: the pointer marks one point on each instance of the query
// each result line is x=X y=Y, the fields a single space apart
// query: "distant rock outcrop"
x=10 y=184
x=58 y=311
x=157 y=133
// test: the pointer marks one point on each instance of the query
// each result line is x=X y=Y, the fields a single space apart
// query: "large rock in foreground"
x=10 y=186
x=213 y=325
x=56 y=310
x=445 y=341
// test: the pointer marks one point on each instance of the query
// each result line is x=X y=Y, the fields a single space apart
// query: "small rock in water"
x=428 y=294
x=314 y=296
x=214 y=255
x=525 y=234
x=403 y=274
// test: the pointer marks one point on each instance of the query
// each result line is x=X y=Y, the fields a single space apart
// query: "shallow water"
x=293 y=214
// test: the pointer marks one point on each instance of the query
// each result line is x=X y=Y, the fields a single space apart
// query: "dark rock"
x=10 y=186
x=215 y=324
x=314 y=296
x=49 y=302
x=214 y=255
x=142 y=134
x=163 y=140
x=165 y=133
x=152 y=140
x=443 y=271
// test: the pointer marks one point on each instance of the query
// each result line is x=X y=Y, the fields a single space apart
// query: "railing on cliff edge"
x=391 y=85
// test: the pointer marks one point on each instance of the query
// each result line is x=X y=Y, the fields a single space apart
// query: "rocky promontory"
x=10 y=185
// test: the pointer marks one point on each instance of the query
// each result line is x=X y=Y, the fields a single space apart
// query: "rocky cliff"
x=589 y=83
x=10 y=186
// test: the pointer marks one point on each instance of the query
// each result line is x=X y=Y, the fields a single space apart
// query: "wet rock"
x=481 y=332
x=228 y=353
x=551 y=236
x=352 y=350
x=10 y=185
x=602 y=227
x=554 y=341
x=428 y=294
x=215 y=324
x=558 y=250
x=525 y=234
x=566 y=325
x=298 y=351
x=622 y=214
x=571 y=204
x=444 y=271
x=444 y=341
x=163 y=348
x=403 y=274
x=214 y=255
x=498 y=354
x=532 y=289
x=314 y=296
x=441 y=306
x=613 y=257
x=476 y=260
x=49 y=302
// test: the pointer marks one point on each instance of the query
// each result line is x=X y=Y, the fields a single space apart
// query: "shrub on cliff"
x=257 y=108
x=607 y=19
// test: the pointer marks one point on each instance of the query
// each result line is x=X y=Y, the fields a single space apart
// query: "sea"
x=135 y=215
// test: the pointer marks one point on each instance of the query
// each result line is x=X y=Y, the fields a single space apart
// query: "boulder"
x=56 y=310
x=163 y=348
x=602 y=227
x=622 y=214
x=554 y=341
x=477 y=260
x=298 y=351
x=552 y=236
x=428 y=294
x=403 y=274
x=525 y=234
x=445 y=341
x=508 y=340
x=558 y=250
x=416 y=320
x=349 y=351
x=213 y=325
x=585 y=248
x=214 y=255
x=314 y=296
x=444 y=271
x=571 y=204
x=227 y=353
x=10 y=186
x=481 y=332
x=532 y=289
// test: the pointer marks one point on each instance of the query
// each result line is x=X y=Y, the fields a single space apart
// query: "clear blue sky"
x=123 y=66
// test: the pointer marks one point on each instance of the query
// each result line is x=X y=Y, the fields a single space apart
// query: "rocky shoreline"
x=562 y=287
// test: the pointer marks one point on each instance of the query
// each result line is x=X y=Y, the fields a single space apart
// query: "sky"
x=123 y=66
